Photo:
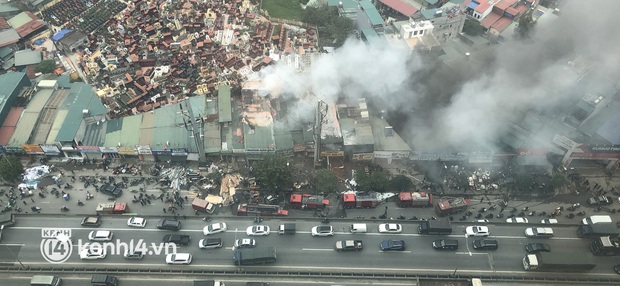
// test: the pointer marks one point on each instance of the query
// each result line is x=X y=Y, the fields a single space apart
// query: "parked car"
x=110 y=190
x=179 y=258
x=549 y=221
x=134 y=255
x=477 y=231
x=322 y=230
x=517 y=220
x=210 y=243
x=244 y=243
x=390 y=228
x=180 y=239
x=489 y=244
x=92 y=221
x=90 y=253
x=446 y=244
x=538 y=232
x=100 y=235
x=392 y=245
x=258 y=230
x=136 y=222
x=167 y=224
x=600 y=201
x=214 y=228
x=537 y=247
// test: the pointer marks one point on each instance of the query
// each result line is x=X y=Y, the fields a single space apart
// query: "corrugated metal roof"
x=19 y=20
x=8 y=127
x=29 y=119
x=346 y=4
x=60 y=118
x=8 y=36
x=27 y=57
x=9 y=82
x=371 y=12
x=224 y=103
x=385 y=143
x=213 y=138
x=123 y=131
x=356 y=133
x=146 y=128
x=81 y=97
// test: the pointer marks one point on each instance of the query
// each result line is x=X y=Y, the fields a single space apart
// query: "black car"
x=617 y=268
x=446 y=244
x=180 y=239
x=93 y=221
x=134 y=255
x=490 y=244
x=110 y=190
x=600 y=201
x=392 y=245
x=167 y=224
x=537 y=247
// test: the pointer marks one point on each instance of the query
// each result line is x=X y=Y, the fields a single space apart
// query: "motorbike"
x=401 y=217
x=532 y=213
x=41 y=196
x=80 y=203
x=500 y=215
x=35 y=209
x=325 y=220
x=258 y=219
x=64 y=209
x=581 y=213
x=570 y=215
x=206 y=218
x=489 y=216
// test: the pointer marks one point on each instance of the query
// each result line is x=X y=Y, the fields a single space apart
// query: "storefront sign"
x=144 y=149
x=108 y=150
x=89 y=149
x=33 y=149
x=127 y=151
x=14 y=150
x=179 y=152
x=363 y=157
x=332 y=154
x=160 y=152
x=50 y=149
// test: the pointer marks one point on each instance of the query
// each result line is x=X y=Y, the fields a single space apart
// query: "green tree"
x=526 y=25
x=10 y=168
x=326 y=181
x=401 y=183
x=375 y=182
x=46 y=66
x=333 y=27
x=472 y=27
x=273 y=173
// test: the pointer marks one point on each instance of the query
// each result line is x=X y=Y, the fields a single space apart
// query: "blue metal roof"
x=61 y=34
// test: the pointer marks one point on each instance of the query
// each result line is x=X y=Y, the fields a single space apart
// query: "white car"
x=244 y=243
x=258 y=230
x=179 y=258
x=100 y=235
x=390 y=228
x=477 y=231
x=93 y=253
x=549 y=221
x=539 y=232
x=136 y=221
x=214 y=228
x=517 y=220
x=322 y=230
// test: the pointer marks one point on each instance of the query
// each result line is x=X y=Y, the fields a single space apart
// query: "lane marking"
x=395 y=251
x=471 y=253
x=12 y=244
x=317 y=249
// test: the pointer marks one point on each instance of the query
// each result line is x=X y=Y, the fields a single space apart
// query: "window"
x=421 y=32
x=415 y=33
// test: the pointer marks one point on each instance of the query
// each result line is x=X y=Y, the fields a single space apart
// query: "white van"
x=45 y=280
x=597 y=219
x=358 y=228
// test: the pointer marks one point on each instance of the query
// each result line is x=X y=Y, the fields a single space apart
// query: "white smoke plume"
x=470 y=102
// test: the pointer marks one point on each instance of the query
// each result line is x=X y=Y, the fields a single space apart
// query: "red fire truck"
x=308 y=202
x=260 y=210
x=414 y=199
x=360 y=200
x=448 y=206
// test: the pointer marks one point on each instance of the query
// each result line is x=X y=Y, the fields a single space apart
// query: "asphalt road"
x=304 y=252
x=146 y=280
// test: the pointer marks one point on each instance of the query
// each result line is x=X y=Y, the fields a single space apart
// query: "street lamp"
x=9 y=249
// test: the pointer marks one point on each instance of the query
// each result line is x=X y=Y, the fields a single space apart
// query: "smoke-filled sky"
x=469 y=102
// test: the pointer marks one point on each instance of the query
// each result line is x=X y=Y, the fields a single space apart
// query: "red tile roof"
x=512 y=11
x=502 y=24
x=489 y=20
x=505 y=4
x=33 y=25
x=400 y=7
x=522 y=8
x=4 y=24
